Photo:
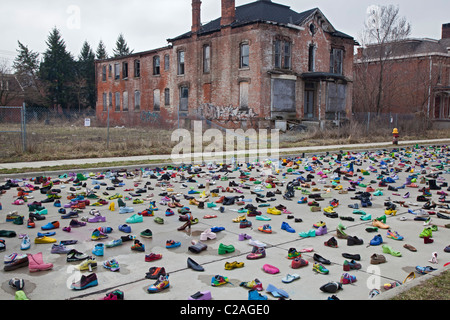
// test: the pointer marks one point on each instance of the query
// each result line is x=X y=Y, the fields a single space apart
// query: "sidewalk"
x=167 y=158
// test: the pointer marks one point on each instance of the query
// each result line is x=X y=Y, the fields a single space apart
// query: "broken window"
x=206 y=58
x=116 y=71
x=277 y=53
x=180 y=62
x=184 y=98
x=166 y=62
x=244 y=61
x=124 y=70
x=104 y=73
x=156 y=66
x=287 y=55
x=311 y=58
x=336 y=60
x=156 y=100
x=117 y=101
x=137 y=100
x=336 y=93
x=167 y=97
x=137 y=68
x=105 y=100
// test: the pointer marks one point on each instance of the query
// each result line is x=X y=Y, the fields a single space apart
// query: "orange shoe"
x=379 y=224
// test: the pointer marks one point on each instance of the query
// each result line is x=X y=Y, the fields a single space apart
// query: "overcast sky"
x=147 y=24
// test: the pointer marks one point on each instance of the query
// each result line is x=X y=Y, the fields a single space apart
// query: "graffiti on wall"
x=225 y=114
x=150 y=117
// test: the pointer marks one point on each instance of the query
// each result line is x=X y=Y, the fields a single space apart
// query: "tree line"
x=56 y=79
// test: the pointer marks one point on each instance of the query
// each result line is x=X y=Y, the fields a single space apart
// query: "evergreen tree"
x=57 y=71
x=101 y=51
x=122 y=48
x=26 y=66
x=85 y=77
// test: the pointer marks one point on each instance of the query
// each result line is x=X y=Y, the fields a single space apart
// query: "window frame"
x=137 y=100
x=337 y=65
x=156 y=66
x=137 y=68
x=244 y=55
x=181 y=62
x=206 y=52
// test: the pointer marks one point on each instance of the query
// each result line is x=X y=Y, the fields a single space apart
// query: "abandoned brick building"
x=416 y=78
x=257 y=64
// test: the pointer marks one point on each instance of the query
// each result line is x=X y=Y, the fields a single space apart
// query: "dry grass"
x=59 y=141
x=436 y=288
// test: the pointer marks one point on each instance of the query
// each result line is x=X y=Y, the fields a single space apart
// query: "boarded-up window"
x=156 y=100
x=336 y=97
x=283 y=95
x=117 y=96
x=125 y=101
x=105 y=101
x=243 y=95
x=167 y=96
x=137 y=100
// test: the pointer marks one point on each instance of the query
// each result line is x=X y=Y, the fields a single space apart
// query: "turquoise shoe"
x=136 y=218
x=263 y=218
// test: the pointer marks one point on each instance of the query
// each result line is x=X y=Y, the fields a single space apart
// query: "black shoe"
x=352 y=256
x=194 y=265
x=321 y=259
x=353 y=241
x=331 y=287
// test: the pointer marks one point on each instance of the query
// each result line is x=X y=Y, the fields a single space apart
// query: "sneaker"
x=152 y=257
x=219 y=280
x=351 y=265
x=85 y=282
x=98 y=235
x=114 y=243
x=293 y=253
x=172 y=244
x=259 y=253
x=99 y=249
x=332 y=242
x=88 y=264
x=74 y=255
x=138 y=246
x=112 y=265
x=252 y=285
x=147 y=233
x=59 y=248
x=265 y=228
x=319 y=268
x=394 y=235
x=298 y=263
x=347 y=279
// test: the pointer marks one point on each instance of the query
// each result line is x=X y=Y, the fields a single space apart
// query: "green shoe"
x=434 y=228
x=20 y=295
x=366 y=217
x=357 y=211
x=427 y=232
x=388 y=249
x=382 y=219
x=224 y=249
x=159 y=220
x=211 y=205
x=319 y=268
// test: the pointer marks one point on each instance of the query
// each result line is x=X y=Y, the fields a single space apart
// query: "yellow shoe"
x=87 y=264
x=239 y=219
x=273 y=211
x=329 y=209
x=112 y=207
x=44 y=239
x=233 y=265
x=390 y=211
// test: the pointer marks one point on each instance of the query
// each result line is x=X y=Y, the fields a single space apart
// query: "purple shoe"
x=97 y=219
x=74 y=223
x=204 y=295
x=244 y=236
x=321 y=231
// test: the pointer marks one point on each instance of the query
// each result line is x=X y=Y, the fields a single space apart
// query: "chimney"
x=196 y=15
x=228 y=12
x=446 y=31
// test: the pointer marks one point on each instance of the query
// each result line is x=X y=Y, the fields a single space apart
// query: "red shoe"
x=152 y=257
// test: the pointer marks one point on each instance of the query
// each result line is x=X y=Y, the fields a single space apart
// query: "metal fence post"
x=24 y=127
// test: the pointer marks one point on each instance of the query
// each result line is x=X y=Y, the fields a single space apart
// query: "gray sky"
x=146 y=24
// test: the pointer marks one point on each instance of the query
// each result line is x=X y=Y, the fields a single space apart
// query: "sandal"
x=410 y=247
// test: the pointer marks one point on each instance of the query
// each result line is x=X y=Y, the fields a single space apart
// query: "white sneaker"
x=256 y=243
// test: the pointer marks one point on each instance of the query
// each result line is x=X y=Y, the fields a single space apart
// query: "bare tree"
x=10 y=89
x=382 y=32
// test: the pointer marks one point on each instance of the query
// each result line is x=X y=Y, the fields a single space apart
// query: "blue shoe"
x=99 y=249
x=126 y=210
x=287 y=227
x=172 y=244
x=376 y=241
x=125 y=228
x=277 y=293
x=47 y=234
x=255 y=295
x=217 y=229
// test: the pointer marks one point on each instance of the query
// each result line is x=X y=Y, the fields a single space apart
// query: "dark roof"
x=260 y=11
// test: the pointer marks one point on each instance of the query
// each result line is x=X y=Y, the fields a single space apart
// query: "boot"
x=36 y=263
x=112 y=207
x=432 y=185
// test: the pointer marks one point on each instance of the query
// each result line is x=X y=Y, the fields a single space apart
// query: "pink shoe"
x=270 y=269
x=36 y=263
x=207 y=235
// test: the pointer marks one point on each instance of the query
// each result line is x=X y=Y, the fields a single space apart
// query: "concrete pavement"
x=55 y=284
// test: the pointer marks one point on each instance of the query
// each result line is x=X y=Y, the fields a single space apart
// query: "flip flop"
x=290 y=277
